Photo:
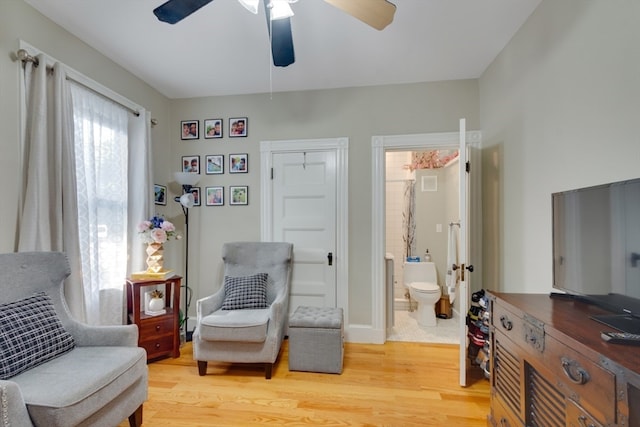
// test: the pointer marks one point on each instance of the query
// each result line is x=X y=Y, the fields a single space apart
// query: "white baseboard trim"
x=364 y=334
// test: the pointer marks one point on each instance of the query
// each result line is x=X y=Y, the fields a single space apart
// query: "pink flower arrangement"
x=430 y=160
x=157 y=230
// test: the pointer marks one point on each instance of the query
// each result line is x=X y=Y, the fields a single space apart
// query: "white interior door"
x=463 y=253
x=304 y=213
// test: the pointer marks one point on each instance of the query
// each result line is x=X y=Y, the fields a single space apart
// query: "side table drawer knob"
x=157 y=328
x=157 y=345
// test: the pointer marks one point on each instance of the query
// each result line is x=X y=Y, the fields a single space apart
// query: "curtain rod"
x=24 y=56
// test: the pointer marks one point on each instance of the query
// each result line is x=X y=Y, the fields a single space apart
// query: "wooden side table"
x=159 y=334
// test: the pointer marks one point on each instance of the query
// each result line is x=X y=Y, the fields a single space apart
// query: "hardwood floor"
x=395 y=384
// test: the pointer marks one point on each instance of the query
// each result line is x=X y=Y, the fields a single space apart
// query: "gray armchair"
x=84 y=375
x=241 y=322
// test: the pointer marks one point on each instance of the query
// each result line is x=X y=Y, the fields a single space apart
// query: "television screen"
x=596 y=244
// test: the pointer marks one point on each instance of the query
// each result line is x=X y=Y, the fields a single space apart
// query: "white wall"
x=396 y=176
x=435 y=210
x=559 y=109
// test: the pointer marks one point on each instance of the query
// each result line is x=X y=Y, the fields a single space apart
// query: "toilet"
x=422 y=281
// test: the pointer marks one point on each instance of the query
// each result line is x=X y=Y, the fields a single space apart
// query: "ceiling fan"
x=375 y=13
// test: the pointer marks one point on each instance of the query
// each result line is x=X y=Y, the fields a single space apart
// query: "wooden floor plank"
x=395 y=384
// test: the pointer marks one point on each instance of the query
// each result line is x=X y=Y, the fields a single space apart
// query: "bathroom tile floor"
x=406 y=328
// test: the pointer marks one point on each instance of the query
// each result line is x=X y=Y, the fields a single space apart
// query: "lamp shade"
x=187 y=200
x=186 y=178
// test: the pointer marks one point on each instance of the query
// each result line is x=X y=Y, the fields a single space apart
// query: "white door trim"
x=341 y=147
x=378 y=146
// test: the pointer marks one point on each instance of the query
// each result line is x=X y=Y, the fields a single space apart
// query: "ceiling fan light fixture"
x=280 y=9
x=250 y=5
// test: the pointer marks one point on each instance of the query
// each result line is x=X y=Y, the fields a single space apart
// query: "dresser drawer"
x=507 y=322
x=155 y=326
x=158 y=346
x=578 y=417
x=522 y=329
x=582 y=380
x=501 y=416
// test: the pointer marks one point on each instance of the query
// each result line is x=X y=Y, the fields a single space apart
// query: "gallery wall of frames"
x=213 y=164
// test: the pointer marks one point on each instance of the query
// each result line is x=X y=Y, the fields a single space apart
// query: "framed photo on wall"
x=215 y=196
x=238 y=195
x=238 y=127
x=191 y=164
x=160 y=194
x=213 y=128
x=196 y=195
x=238 y=163
x=215 y=164
x=189 y=129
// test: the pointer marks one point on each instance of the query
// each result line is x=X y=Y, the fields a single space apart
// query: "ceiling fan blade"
x=375 y=13
x=176 y=10
x=281 y=39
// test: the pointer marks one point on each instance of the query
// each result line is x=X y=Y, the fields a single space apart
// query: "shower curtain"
x=408 y=219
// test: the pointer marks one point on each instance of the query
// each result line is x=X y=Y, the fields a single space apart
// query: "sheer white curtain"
x=101 y=140
x=87 y=183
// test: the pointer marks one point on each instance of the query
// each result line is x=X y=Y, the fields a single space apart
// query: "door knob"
x=468 y=267
x=330 y=258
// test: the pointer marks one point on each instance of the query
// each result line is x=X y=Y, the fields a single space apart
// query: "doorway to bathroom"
x=421 y=211
x=470 y=233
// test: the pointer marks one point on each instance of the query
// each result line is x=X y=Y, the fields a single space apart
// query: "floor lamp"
x=187 y=180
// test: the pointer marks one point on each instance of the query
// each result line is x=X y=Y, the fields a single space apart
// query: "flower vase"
x=155 y=258
x=156 y=304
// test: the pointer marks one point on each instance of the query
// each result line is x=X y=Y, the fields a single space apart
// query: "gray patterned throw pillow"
x=30 y=334
x=245 y=292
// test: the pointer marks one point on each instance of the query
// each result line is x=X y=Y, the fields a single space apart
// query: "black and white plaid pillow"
x=245 y=292
x=30 y=334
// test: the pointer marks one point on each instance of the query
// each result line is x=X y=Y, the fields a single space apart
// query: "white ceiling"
x=223 y=49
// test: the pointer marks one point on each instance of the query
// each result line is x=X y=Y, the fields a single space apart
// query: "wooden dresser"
x=549 y=366
x=159 y=335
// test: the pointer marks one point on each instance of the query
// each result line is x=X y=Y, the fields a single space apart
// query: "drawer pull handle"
x=576 y=373
x=583 y=422
x=157 y=345
x=506 y=323
x=504 y=422
x=158 y=328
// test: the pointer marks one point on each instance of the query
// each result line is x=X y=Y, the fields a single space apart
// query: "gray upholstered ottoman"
x=316 y=340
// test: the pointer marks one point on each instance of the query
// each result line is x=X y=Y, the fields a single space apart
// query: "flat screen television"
x=596 y=249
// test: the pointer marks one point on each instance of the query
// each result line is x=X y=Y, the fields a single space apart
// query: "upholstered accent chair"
x=246 y=319
x=54 y=370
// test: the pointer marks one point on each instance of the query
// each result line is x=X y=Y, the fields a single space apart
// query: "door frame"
x=379 y=144
x=341 y=148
